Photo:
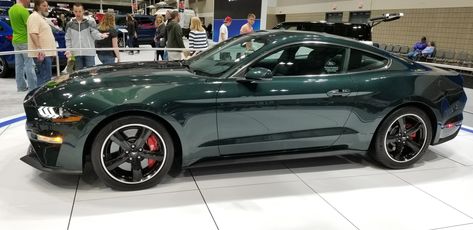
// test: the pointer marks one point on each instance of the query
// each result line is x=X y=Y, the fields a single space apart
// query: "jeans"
x=132 y=41
x=84 y=62
x=106 y=58
x=413 y=55
x=43 y=70
x=165 y=56
x=160 y=53
x=24 y=65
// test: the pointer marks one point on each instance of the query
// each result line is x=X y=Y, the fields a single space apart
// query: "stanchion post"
x=58 y=65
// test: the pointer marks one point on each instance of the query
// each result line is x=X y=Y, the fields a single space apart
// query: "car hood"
x=123 y=75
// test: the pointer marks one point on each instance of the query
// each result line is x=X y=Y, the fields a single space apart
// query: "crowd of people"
x=33 y=32
x=169 y=34
x=83 y=35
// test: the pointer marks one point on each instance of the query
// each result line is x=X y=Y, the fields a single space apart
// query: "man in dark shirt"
x=174 y=36
x=132 y=34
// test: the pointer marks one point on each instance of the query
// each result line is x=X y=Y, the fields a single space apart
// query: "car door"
x=304 y=106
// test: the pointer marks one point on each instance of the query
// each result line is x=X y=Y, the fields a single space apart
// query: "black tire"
x=111 y=165
x=4 y=69
x=402 y=138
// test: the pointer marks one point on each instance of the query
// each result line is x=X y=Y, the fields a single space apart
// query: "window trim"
x=385 y=67
x=239 y=73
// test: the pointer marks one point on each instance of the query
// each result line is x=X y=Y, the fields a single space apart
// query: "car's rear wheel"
x=4 y=70
x=402 y=138
x=132 y=153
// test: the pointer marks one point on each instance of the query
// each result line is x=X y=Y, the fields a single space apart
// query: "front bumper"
x=32 y=159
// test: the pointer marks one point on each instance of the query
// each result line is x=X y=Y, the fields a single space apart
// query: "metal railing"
x=58 y=70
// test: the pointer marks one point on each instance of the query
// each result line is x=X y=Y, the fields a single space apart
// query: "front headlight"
x=58 y=114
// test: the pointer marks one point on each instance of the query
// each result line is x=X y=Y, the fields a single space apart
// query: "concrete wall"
x=450 y=28
x=305 y=17
x=308 y=6
x=203 y=8
x=448 y=22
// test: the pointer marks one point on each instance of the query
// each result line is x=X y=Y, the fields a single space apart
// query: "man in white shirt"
x=40 y=36
x=223 y=32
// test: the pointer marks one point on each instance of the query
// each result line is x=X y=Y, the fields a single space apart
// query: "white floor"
x=346 y=192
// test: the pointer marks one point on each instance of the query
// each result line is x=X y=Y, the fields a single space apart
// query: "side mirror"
x=259 y=74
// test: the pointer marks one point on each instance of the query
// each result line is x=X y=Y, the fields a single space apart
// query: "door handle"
x=339 y=93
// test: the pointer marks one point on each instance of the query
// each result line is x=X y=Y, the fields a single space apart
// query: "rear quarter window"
x=364 y=61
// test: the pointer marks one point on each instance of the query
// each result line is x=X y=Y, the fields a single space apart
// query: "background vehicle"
x=283 y=94
x=358 y=31
x=5 y=3
x=56 y=12
x=7 y=62
x=146 y=29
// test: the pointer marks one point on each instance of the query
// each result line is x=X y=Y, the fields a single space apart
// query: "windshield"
x=226 y=55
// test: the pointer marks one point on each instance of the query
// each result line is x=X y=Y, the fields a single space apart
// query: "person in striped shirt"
x=197 y=36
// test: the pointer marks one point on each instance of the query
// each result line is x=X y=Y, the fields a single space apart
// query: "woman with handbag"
x=160 y=37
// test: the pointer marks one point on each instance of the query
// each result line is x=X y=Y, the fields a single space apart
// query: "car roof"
x=327 y=23
x=300 y=36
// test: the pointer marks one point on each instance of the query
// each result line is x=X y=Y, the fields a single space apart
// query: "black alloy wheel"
x=403 y=138
x=132 y=153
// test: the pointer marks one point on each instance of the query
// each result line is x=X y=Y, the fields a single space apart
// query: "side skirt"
x=254 y=158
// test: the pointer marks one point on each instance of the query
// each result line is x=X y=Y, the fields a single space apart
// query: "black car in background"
x=146 y=29
x=358 y=31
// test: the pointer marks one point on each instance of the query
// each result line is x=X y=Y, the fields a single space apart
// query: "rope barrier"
x=97 y=49
x=58 y=70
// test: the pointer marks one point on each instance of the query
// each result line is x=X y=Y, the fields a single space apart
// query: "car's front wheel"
x=132 y=153
x=402 y=138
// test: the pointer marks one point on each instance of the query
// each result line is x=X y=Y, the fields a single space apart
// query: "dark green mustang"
x=264 y=96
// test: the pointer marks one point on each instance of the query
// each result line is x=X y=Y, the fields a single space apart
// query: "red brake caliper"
x=153 y=146
x=413 y=135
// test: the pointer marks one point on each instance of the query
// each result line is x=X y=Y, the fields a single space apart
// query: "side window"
x=274 y=56
x=303 y=52
x=303 y=60
x=362 y=61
